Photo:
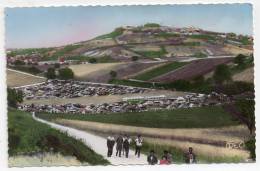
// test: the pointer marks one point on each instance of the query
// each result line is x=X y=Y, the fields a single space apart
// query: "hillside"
x=146 y=42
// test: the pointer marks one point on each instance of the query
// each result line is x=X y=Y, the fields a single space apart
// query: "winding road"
x=98 y=144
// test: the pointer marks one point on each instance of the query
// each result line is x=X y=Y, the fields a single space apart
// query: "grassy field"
x=204 y=117
x=19 y=79
x=83 y=70
x=27 y=135
x=208 y=155
x=160 y=70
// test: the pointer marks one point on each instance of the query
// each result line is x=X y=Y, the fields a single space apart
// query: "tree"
x=250 y=145
x=135 y=58
x=50 y=74
x=113 y=74
x=14 y=97
x=222 y=73
x=240 y=59
x=247 y=109
x=92 y=60
x=66 y=73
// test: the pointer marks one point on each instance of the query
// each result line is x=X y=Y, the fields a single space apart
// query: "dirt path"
x=98 y=144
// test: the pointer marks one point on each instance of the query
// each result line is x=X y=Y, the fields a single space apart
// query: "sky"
x=56 y=26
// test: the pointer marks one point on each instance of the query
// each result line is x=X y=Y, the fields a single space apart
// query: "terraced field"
x=195 y=68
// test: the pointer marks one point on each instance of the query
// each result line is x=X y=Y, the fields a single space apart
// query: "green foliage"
x=160 y=70
x=200 y=55
x=113 y=74
x=200 y=117
x=29 y=69
x=50 y=74
x=29 y=51
x=240 y=59
x=114 y=34
x=92 y=60
x=250 y=145
x=19 y=62
x=236 y=87
x=135 y=58
x=203 y=36
x=152 y=25
x=247 y=109
x=14 y=97
x=222 y=74
x=154 y=54
x=191 y=43
x=61 y=52
x=66 y=74
x=42 y=138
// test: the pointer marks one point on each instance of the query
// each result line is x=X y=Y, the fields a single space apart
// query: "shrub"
x=14 y=97
x=50 y=74
x=66 y=74
x=240 y=59
x=19 y=62
x=92 y=60
x=222 y=74
x=250 y=145
x=135 y=58
x=113 y=74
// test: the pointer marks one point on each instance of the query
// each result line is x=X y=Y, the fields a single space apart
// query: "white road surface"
x=98 y=144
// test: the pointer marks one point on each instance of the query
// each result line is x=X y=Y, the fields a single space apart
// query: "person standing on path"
x=119 y=145
x=126 y=145
x=138 y=145
x=110 y=145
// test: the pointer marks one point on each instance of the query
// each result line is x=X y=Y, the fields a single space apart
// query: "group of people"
x=123 y=144
x=189 y=157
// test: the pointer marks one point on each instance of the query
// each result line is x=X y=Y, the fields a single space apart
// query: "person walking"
x=189 y=156
x=110 y=145
x=124 y=138
x=151 y=158
x=126 y=145
x=138 y=145
x=119 y=145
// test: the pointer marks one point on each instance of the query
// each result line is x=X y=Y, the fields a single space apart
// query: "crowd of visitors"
x=123 y=142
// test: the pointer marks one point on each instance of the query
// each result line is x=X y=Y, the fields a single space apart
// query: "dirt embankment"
x=247 y=75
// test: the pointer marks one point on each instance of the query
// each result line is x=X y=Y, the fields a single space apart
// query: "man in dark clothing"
x=119 y=145
x=138 y=145
x=190 y=157
x=110 y=145
x=152 y=159
x=126 y=145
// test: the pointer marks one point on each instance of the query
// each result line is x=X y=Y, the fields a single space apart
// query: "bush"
x=240 y=59
x=135 y=58
x=50 y=74
x=222 y=74
x=113 y=74
x=66 y=74
x=250 y=145
x=14 y=97
x=92 y=60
